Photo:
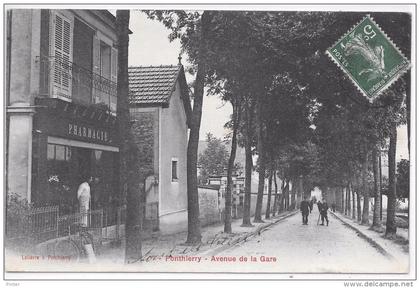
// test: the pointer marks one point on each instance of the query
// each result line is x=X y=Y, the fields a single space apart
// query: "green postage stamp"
x=369 y=58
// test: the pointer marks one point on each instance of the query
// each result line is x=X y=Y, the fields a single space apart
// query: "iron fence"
x=108 y=224
x=43 y=223
x=70 y=224
x=114 y=223
x=58 y=69
x=34 y=225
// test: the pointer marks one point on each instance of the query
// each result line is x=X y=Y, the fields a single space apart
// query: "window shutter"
x=58 y=43
x=114 y=75
x=62 y=45
x=96 y=68
x=114 y=65
x=96 y=55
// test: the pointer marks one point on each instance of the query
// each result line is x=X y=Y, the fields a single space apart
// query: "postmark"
x=371 y=60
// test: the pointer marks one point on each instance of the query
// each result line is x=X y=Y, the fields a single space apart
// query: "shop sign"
x=88 y=132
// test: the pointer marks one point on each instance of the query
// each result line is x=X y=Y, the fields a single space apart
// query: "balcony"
x=61 y=78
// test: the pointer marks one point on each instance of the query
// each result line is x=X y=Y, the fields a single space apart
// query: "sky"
x=149 y=45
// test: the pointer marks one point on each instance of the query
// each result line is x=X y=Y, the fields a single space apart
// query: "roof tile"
x=151 y=85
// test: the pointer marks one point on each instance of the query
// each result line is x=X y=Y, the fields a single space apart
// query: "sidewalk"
x=397 y=251
x=213 y=241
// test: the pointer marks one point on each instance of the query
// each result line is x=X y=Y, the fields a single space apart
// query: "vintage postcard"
x=227 y=141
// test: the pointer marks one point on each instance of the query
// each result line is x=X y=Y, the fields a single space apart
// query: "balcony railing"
x=63 y=78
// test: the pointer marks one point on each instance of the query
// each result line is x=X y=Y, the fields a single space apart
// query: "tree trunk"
x=246 y=221
x=281 y=203
x=287 y=195
x=276 y=195
x=353 y=203
x=302 y=193
x=343 y=202
x=391 y=227
x=228 y=199
x=365 y=212
x=359 y=207
x=128 y=153
x=338 y=199
x=194 y=229
x=380 y=185
x=284 y=193
x=376 y=223
x=282 y=198
x=270 y=183
x=293 y=204
x=408 y=107
x=347 y=201
x=261 y=161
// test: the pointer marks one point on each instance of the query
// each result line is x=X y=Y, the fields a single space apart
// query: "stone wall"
x=143 y=129
x=209 y=206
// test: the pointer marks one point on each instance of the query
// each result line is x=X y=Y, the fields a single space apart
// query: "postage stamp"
x=369 y=58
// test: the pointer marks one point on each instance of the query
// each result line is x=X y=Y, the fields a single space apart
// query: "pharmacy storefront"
x=72 y=142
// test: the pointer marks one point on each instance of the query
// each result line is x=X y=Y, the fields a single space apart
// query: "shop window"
x=174 y=170
x=105 y=190
x=68 y=153
x=98 y=154
x=60 y=153
x=68 y=167
x=59 y=178
x=51 y=152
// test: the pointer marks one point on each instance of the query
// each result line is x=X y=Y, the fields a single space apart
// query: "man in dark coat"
x=304 y=208
x=319 y=204
x=324 y=212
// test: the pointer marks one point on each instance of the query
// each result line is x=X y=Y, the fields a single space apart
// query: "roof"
x=153 y=85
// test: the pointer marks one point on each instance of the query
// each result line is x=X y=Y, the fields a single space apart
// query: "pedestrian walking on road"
x=324 y=212
x=305 y=208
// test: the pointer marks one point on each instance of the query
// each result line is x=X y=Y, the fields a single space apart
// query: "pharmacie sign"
x=88 y=132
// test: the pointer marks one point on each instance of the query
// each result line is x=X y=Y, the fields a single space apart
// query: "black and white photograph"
x=210 y=141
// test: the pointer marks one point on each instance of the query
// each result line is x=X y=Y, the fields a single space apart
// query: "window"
x=105 y=56
x=174 y=170
x=107 y=70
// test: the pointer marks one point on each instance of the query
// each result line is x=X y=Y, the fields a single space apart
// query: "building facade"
x=160 y=110
x=61 y=106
